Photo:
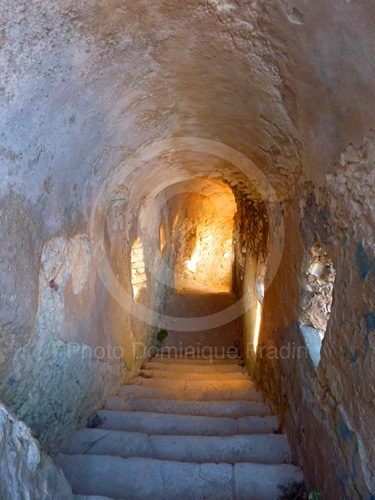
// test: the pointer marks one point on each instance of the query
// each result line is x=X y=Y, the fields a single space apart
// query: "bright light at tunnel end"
x=156 y=149
x=257 y=326
x=192 y=264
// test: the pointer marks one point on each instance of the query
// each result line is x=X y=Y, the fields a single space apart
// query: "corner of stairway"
x=183 y=429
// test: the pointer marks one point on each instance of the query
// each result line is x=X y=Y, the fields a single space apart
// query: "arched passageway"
x=153 y=151
x=201 y=215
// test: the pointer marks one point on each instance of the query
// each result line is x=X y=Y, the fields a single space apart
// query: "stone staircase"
x=183 y=429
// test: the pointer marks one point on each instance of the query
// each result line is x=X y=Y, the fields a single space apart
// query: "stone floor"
x=186 y=427
x=203 y=334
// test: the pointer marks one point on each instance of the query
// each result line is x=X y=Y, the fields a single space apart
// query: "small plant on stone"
x=162 y=335
x=315 y=494
x=297 y=491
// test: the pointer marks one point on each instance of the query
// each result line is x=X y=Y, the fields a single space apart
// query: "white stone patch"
x=79 y=255
x=33 y=457
x=223 y=5
x=26 y=473
x=293 y=14
x=53 y=257
x=63 y=259
x=317 y=293
x=48 y=406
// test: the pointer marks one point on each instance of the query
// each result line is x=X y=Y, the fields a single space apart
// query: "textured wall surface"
x=55 y=380
x=317 y=293
x=26 y=473
x=202 y=236
x=106 y=106
x=328 y=410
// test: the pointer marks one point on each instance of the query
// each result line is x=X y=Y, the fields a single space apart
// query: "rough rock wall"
x=317 y=292
x=85 y=84
x=26 y=473
x=251 y=237
x=250 y=247
x=345 y=376
x=56 y=379
x=202 y=247
x=199 y=219
x=67 y=338
x=329 y=410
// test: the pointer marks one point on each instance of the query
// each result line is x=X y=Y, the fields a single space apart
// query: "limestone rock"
x=26 y=473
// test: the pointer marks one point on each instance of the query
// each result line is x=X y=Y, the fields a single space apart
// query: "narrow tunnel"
x=201 y=232
x=187 y=257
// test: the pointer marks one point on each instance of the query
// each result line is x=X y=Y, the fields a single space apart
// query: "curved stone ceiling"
x=86 y=83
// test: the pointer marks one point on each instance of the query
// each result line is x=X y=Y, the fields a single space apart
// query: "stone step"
x=192 y=385
x=90 y=497
x=195 y=368
x=196 y=360
x=232 y=409
x=267 y=449
x=187 y=375
x=149 y=479
x=211 y=344
x=156 y=423
x=137 y=392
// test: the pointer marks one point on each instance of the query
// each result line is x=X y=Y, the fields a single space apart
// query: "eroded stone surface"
x=26 y=473
x=316 y=296
x=53 y=383
x=88 y=89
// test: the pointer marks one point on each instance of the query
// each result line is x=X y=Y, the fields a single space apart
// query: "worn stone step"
x=204 y=346
x=266 y=482
x=192 y=385
x=149 y=479
x=186 y=375
x=196 y=360
x=146 y=479
x=209 y=345
x=156 y=423
x=232 y=409
x=136 y=392
x=195 y=368
x=267 y=449
x=90 y=497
